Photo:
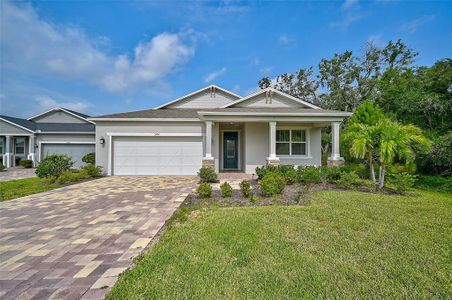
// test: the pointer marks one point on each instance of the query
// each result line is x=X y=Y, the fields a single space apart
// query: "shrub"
x=26 y=163
x=92 y=171
x=330 y=174
x=402 y=181
x=226 y=190
x=272 y=184
x=438 y=161
x=89 y=158
x=53 y=165
x=309 y=174
x=245 y=187
x=435 y=182
x=262 y=171
x=204 y=190
x=348 y=180
x=68 y=176
x=2 y=167
x=207 y=174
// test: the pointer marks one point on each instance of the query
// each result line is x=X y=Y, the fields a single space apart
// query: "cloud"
x=351 y=13
x=284 y=39
x=214 y=75
x=413 y=25
x=46 y=102
x=375 y=39
x=34 y=46
x=266 y=70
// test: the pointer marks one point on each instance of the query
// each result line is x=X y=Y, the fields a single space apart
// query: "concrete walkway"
x=16 y=173
x=72 y=243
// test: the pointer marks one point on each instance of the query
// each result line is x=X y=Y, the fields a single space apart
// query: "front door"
x=230 y=150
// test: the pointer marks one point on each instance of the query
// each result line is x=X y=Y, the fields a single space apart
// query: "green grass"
x=23 y=187
x=342 y=245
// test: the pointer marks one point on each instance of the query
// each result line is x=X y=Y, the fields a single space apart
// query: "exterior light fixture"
x=102 y=141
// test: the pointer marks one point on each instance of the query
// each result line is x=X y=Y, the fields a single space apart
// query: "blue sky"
x=102 y=57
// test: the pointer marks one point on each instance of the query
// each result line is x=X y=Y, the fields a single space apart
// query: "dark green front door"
x=230 y=150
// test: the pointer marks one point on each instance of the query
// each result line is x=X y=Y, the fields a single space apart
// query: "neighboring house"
x=218 y=128
x=57 y=131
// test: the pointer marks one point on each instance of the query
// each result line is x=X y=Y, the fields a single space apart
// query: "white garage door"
x=74 y=151
x=157 y=155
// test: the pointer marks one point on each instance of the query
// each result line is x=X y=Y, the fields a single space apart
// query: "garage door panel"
x=74 y=151
x=157 y=155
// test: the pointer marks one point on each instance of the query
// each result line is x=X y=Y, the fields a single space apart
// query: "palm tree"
x=383 y=143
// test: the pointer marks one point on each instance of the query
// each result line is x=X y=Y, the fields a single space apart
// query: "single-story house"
x=57 y=131
x=217 y=128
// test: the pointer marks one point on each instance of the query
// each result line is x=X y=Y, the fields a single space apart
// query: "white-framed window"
x=19 y=146
x=292 y=142
x=2 y=146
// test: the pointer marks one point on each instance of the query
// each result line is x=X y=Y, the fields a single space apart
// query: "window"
x=2 y=148
x=291 y=142
x=19 y=145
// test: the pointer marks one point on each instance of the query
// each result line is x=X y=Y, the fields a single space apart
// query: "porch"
x=243 y=145
x=14 y=148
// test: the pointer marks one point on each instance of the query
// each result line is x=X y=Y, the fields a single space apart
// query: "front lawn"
x=340 y=245
x=23 y=187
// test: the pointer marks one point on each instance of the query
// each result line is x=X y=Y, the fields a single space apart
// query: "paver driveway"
x=72 y=242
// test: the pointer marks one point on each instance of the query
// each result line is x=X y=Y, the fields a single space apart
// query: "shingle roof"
x=65 y=127
x=21 y=122
x=77 y=113
x=50 y=127
x=193 y=113
x=155 y=113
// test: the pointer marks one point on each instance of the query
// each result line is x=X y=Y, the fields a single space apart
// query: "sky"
x=101 y=57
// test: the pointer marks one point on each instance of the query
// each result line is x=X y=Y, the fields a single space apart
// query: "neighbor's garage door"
x=157 y=155
x=74 y=151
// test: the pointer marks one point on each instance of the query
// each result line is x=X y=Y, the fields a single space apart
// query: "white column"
x=335 y=127
x=8 y=154
x=208 y=139
x=31 y=149
x=272 y=140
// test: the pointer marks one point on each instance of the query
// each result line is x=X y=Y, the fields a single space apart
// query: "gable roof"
x=33 y=127
x=196 y=92
x=274 y=91
x=18 y=122
x=68 y=111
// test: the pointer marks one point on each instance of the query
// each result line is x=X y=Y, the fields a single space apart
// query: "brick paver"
x=73 y=242
x=17 y=173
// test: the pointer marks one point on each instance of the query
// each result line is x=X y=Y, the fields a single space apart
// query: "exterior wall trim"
x=17 y=125
x=275 y=91
x=62 y=109
x=196 y=92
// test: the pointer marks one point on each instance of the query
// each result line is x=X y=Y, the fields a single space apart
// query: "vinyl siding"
x=7 y=128
x=277 y=101
x=57 y=117
x=204 y=100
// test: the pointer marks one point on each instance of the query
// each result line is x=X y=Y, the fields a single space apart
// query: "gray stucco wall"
x=58 y=117
x=103 y=128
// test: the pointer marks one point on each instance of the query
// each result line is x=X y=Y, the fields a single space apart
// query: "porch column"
x=272 y=159
x=7 y=158
x=335 y=159
x=208 y=160
x=31 y=150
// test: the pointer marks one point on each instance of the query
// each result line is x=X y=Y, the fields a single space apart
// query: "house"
x=57 y=131
x=218 y=128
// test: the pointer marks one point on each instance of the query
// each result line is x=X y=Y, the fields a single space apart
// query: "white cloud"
x=266 y=70
x=375 y=39
x=214 y=75
x=46 y=102
x=284 y=39
x=413 y=25
x=351 y=13
x=34 y=45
